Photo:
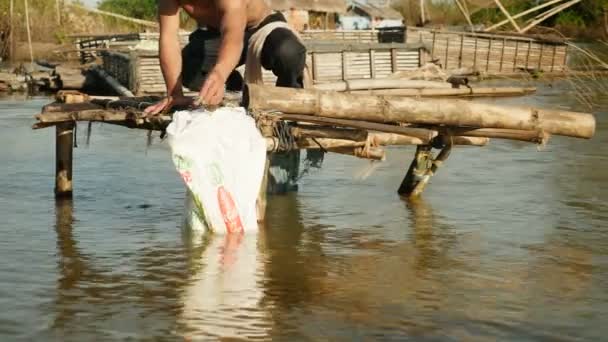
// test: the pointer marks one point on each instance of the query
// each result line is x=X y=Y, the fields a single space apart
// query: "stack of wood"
x=363 y=123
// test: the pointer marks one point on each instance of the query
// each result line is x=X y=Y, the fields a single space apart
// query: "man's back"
x=206 y=13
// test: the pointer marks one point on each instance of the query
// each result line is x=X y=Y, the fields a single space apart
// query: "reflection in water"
x=222 y=293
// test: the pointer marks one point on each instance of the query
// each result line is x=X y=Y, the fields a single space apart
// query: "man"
x=232 y=22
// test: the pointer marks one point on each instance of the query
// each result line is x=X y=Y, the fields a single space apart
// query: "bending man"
x=233 y=22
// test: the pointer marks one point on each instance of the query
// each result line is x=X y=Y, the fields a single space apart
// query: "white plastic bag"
x=220 y=156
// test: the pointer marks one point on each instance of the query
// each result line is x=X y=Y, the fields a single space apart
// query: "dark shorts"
x=282 y=53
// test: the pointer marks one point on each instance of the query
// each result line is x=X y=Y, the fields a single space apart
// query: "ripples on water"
x=507 y=243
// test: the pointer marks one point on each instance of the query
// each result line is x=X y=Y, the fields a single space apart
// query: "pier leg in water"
x=262 y=196
x=423 y=167
x=64 y=137
x=283 y=172
x=418 y=167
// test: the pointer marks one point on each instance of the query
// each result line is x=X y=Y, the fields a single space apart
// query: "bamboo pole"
x=449 y=112
x=57 y=12
x=114 y=84
x=425 y=135
x=110 y=14
x=460 y=92
x=466 y=15
x=27 y=26
x=422 y=17
x=366 y=84
x=548 y=14
x=64 y=136
x=309 y=131
x=508 y=15
x=373 y=153
x=11 y=36
x=519 y=15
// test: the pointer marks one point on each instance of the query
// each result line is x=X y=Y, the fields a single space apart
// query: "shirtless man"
x=233 y=22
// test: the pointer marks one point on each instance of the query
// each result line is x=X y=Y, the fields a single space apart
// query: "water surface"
x=510 y=242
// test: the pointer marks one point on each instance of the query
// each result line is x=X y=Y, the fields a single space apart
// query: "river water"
x=510 y=242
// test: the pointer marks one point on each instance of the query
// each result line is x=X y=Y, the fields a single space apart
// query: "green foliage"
x=140 y=9
x=570 y=18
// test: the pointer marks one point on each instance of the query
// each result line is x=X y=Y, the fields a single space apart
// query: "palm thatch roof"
x=331 y=6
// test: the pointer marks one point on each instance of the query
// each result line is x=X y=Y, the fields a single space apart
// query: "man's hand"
x=166 y=104
x=212 y=92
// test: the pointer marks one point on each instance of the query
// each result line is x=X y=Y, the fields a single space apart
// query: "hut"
x=363 y=15
x=310 y=14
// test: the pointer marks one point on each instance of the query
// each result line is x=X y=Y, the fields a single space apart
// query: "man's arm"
x=169 y=47
x=233 y=21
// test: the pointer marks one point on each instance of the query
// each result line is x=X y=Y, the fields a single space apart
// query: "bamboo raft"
x=351 y=124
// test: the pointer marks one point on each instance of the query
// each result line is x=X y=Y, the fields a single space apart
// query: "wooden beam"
x=508 y=15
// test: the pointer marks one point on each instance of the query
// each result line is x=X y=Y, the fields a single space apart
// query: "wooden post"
x=447 y=48
x=433 y=45
x=422 y=18
x=314 y=67
x=263 y=194
x=344 y=66
x=416 y=170
x=489 y=50
x=11 y=36
x=64 y=137
x=475 y=55
x=553 y=57
x=133 y=83
x=528 y=54
x=502 y=54
x=393 y=60
x=372 y=63
x=565 y=57
x=29 y=35
x=540 y=58
x=57 y=12
x=515 y=58
x=461 y=48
